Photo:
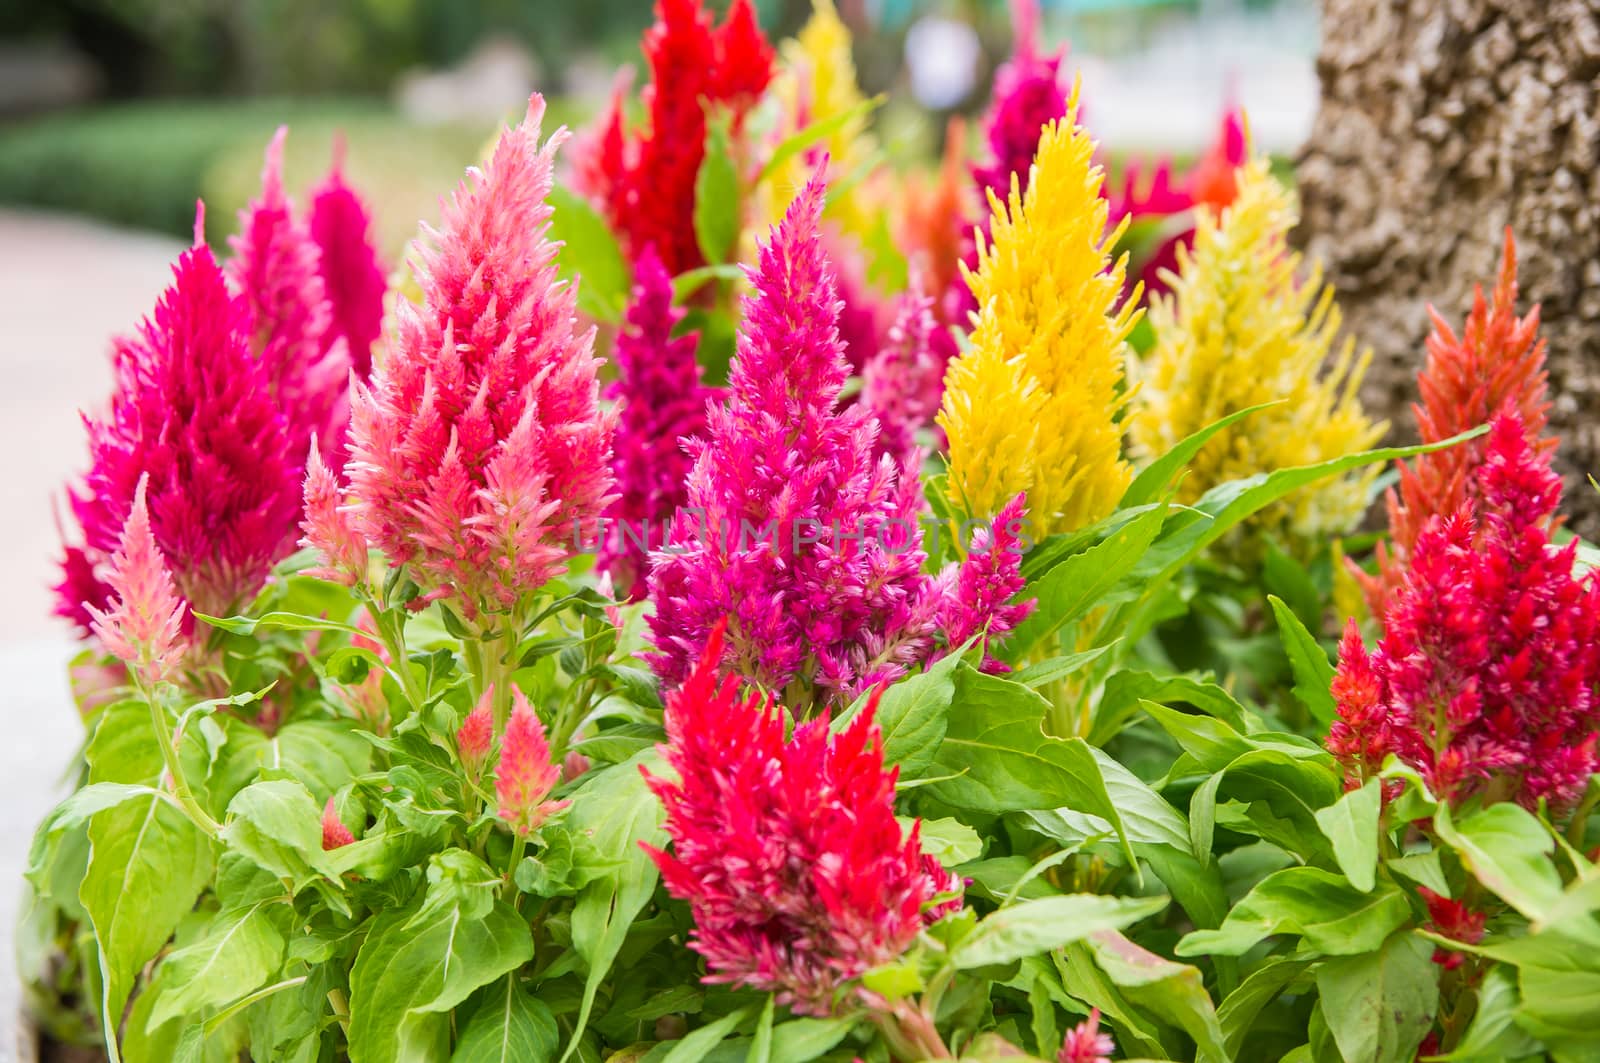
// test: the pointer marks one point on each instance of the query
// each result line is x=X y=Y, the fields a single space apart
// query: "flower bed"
x=880 y=659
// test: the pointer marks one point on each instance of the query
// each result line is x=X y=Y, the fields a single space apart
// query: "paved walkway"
x=66 y=286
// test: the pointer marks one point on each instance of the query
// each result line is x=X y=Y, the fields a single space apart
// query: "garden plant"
x=723 y=597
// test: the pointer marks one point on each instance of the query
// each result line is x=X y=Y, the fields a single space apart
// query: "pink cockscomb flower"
x=478 y=451
x=277 y=267
x=662 y=403
x=353 y=277
x=1085 y=1043
x=144 y=627
x=476 y=733
x=901 y=385
x=335 y=835
x=193 y=414
x=982 y=598
x=810 y=545
x=525 y=774
x=788 y=853
x=1028 y=95
x=1454 y=920
x=1485 y=679
x=329 y=527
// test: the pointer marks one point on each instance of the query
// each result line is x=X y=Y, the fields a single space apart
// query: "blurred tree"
x=1440 y=125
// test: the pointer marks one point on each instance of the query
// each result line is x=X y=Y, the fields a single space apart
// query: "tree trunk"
x=1442 y=122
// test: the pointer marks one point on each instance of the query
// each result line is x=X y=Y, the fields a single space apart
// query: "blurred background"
x=115 y=115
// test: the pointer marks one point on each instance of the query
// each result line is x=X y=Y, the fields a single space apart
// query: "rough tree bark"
x=1442 y=122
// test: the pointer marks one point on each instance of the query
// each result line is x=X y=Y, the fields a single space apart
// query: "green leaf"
x=814 y=133
x=1215 y=745
x=1508 y=850
x=239 y=952
x=1154 y=479
x=1313 y=673
x=508 y=1026
x=1000 y=760
x=1127 y=688
x=1033 y=927
x=1330 y=914
x=416 y=965
x=716 y=193
x=912 y=716
x=1493 y=1033
x=277 y=824
x=123 y=748
x=1080 y=582
x=1238 y=1011
x=148 y=863
x=1380 y=1006
x=949 y=841
x=1175 y=992
x=695 y=1045
x=249 y=625
x=590 y=255
x=803 y=1040
x=1351 y=824
x=761 y=1043
x=1055 y=668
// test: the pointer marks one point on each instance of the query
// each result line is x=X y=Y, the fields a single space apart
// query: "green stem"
x=1580 y=817
x=169 y=754
x=519 y=849
x=392 y=631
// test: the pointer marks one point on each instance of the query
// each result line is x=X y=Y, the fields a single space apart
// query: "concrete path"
x=66 y=286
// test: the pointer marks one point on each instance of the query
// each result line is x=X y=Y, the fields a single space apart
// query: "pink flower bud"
x=476 y=734
x=334 y=833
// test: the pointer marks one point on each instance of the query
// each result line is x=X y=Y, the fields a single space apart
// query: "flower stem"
x=169 y=755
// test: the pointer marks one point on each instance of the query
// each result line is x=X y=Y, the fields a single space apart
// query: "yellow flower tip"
x=1037 y=401
x=1237 y=330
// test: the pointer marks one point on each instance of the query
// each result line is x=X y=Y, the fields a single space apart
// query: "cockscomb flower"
x=797 y=873
x=335 y=835
x=662 y=403
x=144 y=626
x=475 y=736
x=329 y=528
x=1485 y=678
x=193 y=415
x=1239 y=329
x=645 y=182
x=1029 y=94
x=981 y=600
x=1036 y=402
x=277 y=266
x=525 y=774
x=353 y=277
x=1496 y=365
x=817 y=83
x=478 y=450
x=1085 y=1043
x=794 y=530
x=901 y=384
x=1454 y=920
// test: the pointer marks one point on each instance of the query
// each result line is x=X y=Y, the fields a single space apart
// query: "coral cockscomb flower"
x=663 y=403
x=1496 y=365
x=144 y=627
x=478 y=451
x=193 y=414
x=788 y=852
x=1240 y=329
x=1485 y=678
x=1035 y=403
x=525 y=774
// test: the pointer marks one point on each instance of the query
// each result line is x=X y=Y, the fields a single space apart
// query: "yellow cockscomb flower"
x=1238 y=329
x=1036 y=402
x=816 y=83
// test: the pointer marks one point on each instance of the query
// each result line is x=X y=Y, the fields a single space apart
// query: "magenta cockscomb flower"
x=808 y=545
x=353 y=277
x=335 y=835
x=192 y=413
x=981 y=598
x=1485 y=679
x=662 y=403
x=476 y=733
x=788 y=853
x=525 y=775
x=1028 y=95
x=1085 y=1043
x=277 y=266
x=479 y=451
x=329 y=527
x=901 y=385
x=144 y=626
